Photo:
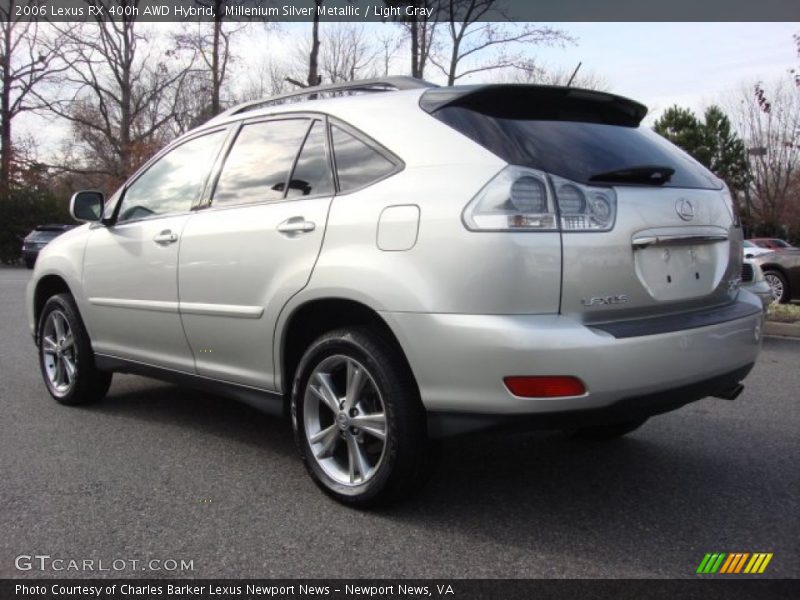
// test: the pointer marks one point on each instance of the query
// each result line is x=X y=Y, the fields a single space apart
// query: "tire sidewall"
x=348 y=344
x=785 y=296
x=83 y=353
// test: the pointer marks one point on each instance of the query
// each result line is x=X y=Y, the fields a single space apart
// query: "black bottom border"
x=705 y=587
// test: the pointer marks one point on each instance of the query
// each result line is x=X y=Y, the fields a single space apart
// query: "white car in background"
x=751 y=250
x=753 y=281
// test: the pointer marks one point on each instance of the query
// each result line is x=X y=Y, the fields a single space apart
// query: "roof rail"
x=381 y=84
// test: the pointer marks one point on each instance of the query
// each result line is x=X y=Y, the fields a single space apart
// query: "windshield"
x=579 y=150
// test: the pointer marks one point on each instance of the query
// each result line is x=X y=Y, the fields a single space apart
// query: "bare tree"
x=267 y=79
x=471 y=34
x=388 y=45
x=347 y=53
x=771 y=131
x=124 y=97
x=420 y=29
x=212 y=44
x=26 y=66
x=314 y=77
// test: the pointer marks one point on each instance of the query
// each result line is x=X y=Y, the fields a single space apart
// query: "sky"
x=659 y=64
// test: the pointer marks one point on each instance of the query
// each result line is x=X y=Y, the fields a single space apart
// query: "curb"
x=782 y=329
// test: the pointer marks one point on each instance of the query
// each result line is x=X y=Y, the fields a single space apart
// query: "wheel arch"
x=47 y=287
x=315 y=317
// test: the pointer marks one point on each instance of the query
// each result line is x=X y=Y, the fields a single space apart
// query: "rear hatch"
x=671 y=241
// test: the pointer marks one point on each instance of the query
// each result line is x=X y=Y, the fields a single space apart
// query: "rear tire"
x=359 y=424
x=607 y=432
x=66 y=358
x=779 y=286
x=30 y=262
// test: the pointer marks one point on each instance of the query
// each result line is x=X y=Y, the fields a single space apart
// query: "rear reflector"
x=545 y=386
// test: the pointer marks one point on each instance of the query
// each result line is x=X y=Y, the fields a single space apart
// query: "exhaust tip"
x=732 y=393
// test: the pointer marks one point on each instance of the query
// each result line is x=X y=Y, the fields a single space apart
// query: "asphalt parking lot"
x=157 y=472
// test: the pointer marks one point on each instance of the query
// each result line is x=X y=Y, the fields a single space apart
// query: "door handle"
x=296 y=226
x=166 y=237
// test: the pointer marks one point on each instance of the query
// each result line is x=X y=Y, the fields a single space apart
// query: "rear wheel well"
x=317 y=317
x=48 y=286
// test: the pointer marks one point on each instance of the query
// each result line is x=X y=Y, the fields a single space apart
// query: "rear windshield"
x=577 y=150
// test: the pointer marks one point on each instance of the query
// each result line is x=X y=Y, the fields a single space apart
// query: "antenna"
x=575 y=72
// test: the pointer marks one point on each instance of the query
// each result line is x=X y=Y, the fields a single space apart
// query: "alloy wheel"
x=345 y=420
x=775 y=285
x=59 y=357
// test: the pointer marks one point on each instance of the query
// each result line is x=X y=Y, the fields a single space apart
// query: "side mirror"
x=86 y=206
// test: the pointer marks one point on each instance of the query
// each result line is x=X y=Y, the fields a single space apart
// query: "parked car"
x=751 y=250
x=754 y=282
x=782 y=273
x=774 y=244
x=390 y=268
x=38 y=239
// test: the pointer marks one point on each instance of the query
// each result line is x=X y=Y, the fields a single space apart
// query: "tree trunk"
x=451 y=75
x=5 y=113
x=216 y=79
x=313 y=57
x=415 y=66
x=125 y=150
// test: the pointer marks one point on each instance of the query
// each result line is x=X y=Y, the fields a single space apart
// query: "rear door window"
x=258 y=165
x=312 y=174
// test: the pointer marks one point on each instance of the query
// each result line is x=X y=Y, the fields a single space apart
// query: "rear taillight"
x=523 y=199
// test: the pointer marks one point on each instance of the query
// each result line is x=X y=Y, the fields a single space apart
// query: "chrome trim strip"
x=665 y=240
x=154 y=305
x=187 y=308
x=222 y=310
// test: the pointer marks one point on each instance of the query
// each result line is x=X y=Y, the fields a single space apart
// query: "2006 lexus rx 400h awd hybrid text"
x=390 y=262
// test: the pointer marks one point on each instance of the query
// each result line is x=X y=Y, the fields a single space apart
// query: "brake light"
x=545 y=386
x=523 y=199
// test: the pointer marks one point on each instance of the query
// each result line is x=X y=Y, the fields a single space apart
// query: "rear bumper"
x=442 y=424
x=460 y=361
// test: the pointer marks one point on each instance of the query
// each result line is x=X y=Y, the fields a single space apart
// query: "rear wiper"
x=646 y=174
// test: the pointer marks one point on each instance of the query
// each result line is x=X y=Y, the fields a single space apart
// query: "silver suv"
x=390 y=262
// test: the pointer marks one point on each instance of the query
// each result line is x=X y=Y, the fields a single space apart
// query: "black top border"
x=379 y=10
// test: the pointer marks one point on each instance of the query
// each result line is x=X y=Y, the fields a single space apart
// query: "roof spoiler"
x=543 y=102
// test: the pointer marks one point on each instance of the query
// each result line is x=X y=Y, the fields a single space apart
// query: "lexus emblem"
x=685 y=209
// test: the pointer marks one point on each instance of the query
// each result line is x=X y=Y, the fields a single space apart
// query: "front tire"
x=779 y=286
x=65 y=355
x=359 y=424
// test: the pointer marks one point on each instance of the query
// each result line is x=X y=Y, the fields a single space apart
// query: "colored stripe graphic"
x=734 y=563
x=703 y=563
x=764 y=564
x=727 y=564
x=712 y=563
x=741 y=562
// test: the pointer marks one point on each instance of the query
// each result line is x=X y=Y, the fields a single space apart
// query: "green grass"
x=784 y=313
